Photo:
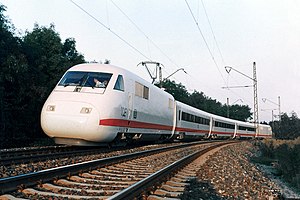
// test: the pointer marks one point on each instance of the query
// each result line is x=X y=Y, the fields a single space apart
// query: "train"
x=95 y=104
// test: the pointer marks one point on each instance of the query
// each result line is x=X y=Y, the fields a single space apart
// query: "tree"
x=178 y=91
x=48 y=58
x=240 y=112
x=287 y=127
x=30 y=68
x=70 y=53
x=13 y=66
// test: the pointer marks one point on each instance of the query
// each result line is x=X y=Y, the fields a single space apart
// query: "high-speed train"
x=97 y=104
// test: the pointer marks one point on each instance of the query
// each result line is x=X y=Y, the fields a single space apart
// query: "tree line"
x=32 y=63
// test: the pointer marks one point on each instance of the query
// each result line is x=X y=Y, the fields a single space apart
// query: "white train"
x=100 y=103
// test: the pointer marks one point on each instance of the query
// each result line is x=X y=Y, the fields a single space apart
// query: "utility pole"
x=254 y=78
x=279 y=111
x=277 y=104
x=255 y=99
x=227 y=107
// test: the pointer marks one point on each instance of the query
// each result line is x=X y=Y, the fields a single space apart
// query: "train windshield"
x=85 y=79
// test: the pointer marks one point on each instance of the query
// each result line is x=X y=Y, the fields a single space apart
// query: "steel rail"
x=135 y=190
x=37 y=155
x=10 y=184
x=21 y=151
x=41 y=156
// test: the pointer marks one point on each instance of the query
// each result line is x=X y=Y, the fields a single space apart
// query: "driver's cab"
x=83 y=81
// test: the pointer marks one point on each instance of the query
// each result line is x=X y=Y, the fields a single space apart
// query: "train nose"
x=69 y=120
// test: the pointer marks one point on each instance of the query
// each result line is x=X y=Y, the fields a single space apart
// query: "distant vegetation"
x=284 y=155
x=32 y=64
x=288 y=127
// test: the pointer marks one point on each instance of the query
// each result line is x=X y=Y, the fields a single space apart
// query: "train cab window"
x=119 y=83
x=85 y=79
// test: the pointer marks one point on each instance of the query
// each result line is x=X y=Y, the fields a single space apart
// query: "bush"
x=286 y=156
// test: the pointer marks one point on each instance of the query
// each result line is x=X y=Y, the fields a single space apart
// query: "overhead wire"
x=142 y=32
x=206 y=44
x=107 y=14
x=147 y=37
x=138 y=51
x=109 y=29
x=217 y=44
x=212 y=31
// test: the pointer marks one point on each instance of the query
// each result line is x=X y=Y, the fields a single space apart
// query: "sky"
x=201 y=36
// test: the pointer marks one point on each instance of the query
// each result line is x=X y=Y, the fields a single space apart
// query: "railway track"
x=119 y=177
x=36 y=155
x=23 y=156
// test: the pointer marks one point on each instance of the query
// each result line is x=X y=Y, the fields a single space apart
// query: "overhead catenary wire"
x=246 y=93
x=145 y=35
x=109 y=29
x=206 y=44
x=212 y=31
x=124 y=40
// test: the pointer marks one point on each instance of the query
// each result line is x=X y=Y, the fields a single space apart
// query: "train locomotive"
x=96 y=104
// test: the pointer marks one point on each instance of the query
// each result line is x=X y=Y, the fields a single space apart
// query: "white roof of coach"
x=192 y=109
x=217 y=117
x=96 y=67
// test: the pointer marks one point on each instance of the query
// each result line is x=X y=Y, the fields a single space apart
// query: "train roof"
x=96 y=67
x=192 y=109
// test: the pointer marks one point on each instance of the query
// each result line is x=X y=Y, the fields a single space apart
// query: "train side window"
x=146 y=93
x=119 y=83
x=141 y=90
x=138 y=89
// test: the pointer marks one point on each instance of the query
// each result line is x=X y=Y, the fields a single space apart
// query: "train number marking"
x=124 y=112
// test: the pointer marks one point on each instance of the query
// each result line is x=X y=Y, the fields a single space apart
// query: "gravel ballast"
x=229 y=174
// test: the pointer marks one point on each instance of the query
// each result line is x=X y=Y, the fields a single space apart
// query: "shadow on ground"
x=200 y=190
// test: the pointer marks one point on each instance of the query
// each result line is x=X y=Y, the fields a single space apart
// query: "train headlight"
x=50 y=108
x=85 y=110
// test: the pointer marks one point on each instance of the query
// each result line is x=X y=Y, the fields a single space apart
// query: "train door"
x=235 y=131
x=211 y=126
x=130 y=106
x=175 y=119
x=179 y=134
x=131 y=112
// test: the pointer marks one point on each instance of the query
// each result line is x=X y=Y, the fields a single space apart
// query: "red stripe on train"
x=145 y=125
x=133 y=124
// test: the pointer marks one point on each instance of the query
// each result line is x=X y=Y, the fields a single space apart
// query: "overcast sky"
x=263 y=31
